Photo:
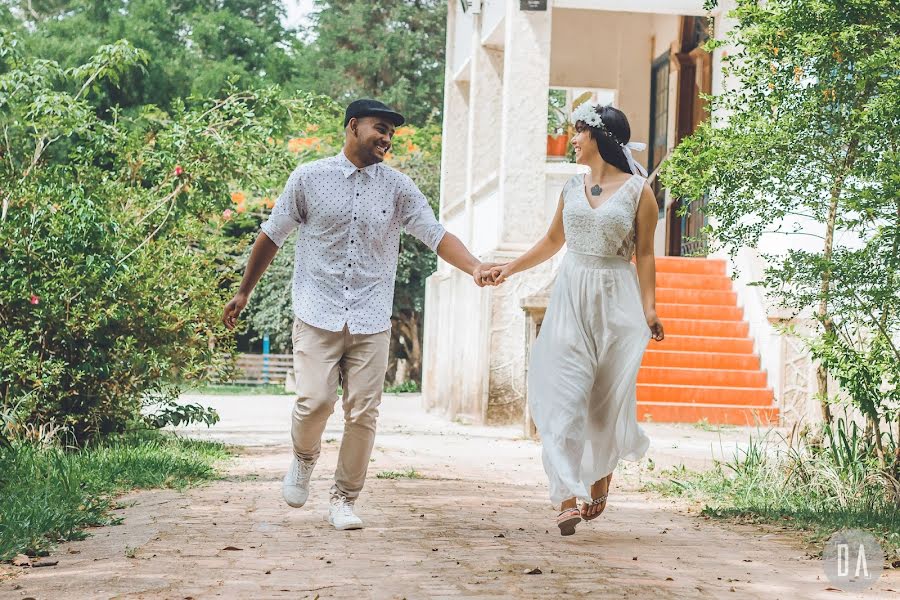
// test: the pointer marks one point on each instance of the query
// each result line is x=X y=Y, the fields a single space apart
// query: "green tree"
x=198 y=47
x=114 y=262
x=808 y=132
x=390 y=49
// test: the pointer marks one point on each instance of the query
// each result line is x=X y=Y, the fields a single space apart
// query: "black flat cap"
x=372 y=108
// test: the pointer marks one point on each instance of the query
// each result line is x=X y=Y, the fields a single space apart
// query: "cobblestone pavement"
x=476 y=524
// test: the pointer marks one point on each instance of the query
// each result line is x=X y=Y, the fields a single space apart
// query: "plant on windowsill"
x=558 y=126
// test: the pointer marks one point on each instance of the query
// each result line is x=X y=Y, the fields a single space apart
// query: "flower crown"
x=587 y=113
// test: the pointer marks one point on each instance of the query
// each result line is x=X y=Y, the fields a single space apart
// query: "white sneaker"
x=340 y=514
x=295 y=487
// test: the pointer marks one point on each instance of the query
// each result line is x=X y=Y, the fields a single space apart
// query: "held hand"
x=233 y=309
x=482 y=274
x=501 y=273
x=656 y=327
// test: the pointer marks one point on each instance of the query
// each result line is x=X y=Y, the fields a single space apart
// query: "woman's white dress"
x=582 y=378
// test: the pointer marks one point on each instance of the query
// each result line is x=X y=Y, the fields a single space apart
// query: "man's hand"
x=233 y=309
x=482 y=274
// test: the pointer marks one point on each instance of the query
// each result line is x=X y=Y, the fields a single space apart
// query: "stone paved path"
x=471 y=527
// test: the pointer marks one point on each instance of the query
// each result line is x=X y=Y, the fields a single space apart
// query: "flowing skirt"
x=582 y=378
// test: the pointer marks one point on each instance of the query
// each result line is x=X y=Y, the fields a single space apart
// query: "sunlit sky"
x=297 y=11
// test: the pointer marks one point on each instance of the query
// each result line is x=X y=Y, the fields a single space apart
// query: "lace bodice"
x=609 y=229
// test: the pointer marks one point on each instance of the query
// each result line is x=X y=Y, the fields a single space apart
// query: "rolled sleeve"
x=417 y=216
x=289 y=211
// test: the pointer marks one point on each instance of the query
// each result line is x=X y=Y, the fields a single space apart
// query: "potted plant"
x=558 y=127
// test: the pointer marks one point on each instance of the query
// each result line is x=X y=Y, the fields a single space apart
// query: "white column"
x=523 y=123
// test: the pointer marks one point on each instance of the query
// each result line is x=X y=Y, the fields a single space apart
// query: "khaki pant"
x=323 y=360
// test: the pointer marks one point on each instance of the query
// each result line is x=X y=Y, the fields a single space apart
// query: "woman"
x=583 y=375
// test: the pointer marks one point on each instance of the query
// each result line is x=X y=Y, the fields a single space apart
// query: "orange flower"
x=410 y=147
x=268 y=202
x=238 y=197
x=241 y=208
x=388 y=155
x=775 y=50
x=294 y=145
x=312 y=127
x=404 y=131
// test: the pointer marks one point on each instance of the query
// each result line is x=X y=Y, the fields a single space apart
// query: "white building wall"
x=498 y=193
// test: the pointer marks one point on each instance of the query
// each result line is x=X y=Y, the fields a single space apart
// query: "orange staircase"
x=705 y=369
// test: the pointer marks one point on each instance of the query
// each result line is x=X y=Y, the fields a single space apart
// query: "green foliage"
x=114 y=263
x=804 y=145
x=409 y=473
x=557 y=120
x=241 y=390
x=407 y=387
x=49 y=495
x=390 y=49
x=198 y=48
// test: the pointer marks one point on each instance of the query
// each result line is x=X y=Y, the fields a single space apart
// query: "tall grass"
x=820 y=484
x=48 y=494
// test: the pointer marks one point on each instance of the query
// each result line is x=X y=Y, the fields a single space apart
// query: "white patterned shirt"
x=347 y=248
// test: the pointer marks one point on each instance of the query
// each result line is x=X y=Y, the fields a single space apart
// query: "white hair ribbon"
x=587 y=113
x=635 y=166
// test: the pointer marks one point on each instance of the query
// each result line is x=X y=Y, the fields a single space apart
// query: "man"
x=350 y=210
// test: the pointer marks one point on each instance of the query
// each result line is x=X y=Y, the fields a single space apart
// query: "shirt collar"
x=348 y=168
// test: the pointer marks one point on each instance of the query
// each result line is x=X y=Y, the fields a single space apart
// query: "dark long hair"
x=609 y=140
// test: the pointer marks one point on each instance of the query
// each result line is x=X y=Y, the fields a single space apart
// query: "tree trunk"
x=824 y=318
x=408 y=327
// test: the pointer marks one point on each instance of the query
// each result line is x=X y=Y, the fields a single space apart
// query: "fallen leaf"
x=21 y=561
x=534 y=571
x=231 y=548
x=833 y=589
x=669 y=579
x=499 y=535
x=634 y=558
x=268 y=572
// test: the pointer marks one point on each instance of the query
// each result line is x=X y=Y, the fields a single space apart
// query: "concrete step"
x=707 y=328
x=696 y=343
x=696 y=266
x=700 y=360
x=693 y=282
x=702 y=377
x=719 y=414
x=700 y=311
x=691 y=296
x=694 y=394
